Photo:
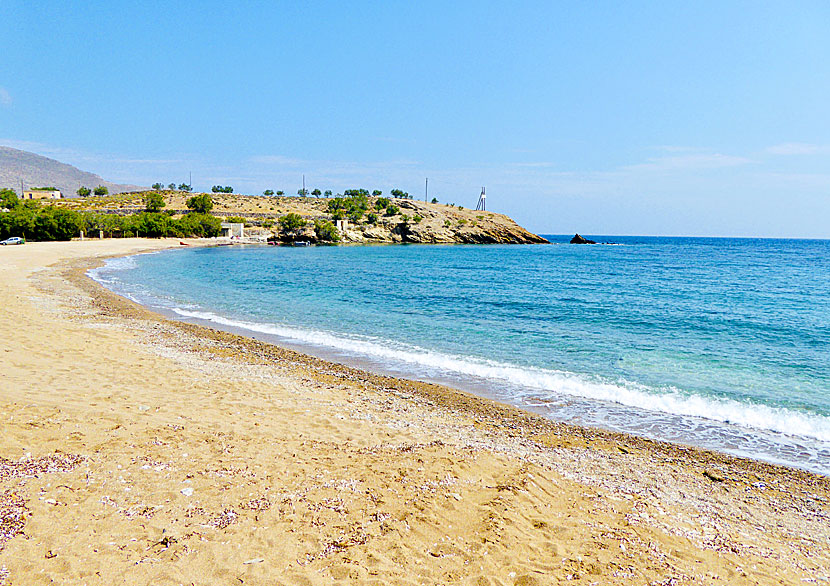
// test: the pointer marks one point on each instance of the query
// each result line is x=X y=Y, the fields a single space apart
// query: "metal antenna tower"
x=482 y=201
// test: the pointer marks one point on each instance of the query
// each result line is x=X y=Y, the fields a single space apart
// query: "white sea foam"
x=536 y=383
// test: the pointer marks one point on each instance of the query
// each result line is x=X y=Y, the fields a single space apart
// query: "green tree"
x=372 y=218
x=196 y=224
x=171 y=186
x=8 y=199
x=201 y=204
x=268 y=192
x=302 y=192
x=280 y=193
x=327 y=193
x=290 y=226
x=158 y=186
x=382 y=203
x=316 y=192
x=434 y=200
x=326 y=231
x=154 y=202
x=392 y=210
x=100 y=190
x=377 y=193
x=84 y=191
x=400 y=194
x=185 y=187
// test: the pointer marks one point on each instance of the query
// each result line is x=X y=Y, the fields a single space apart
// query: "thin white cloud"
x=535 y=164
x=280 y=160
x=5 y=97
x=798 y=148
x=690 y=162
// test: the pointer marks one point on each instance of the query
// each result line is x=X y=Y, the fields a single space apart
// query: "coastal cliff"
x=384 y=220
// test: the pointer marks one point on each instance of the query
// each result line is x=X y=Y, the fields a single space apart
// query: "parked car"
x=13 y=240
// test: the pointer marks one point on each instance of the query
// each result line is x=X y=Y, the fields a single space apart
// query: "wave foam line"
x=729 y=411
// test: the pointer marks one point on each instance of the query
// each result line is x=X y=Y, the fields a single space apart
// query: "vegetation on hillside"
x=34 y=221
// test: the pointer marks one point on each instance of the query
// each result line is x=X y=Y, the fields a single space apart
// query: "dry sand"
x=135 y=450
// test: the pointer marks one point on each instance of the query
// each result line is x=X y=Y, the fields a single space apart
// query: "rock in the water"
x=577 y=239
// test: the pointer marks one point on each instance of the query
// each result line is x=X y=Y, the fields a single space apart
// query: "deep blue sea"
x=719 y=343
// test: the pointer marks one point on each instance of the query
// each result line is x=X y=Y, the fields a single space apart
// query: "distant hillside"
x=404 y=220
x=37 y=171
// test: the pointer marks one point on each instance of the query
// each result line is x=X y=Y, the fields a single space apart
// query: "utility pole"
x=190 y=185
x=426 y=190
x=303 y=185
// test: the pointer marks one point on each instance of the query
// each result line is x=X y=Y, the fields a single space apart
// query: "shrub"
x=326 y=231
x=352 y=206
x=382 y=203
x=290 y=226
x=100 y=190
x=8 y=199
x=416 y=218
x=372 y=218
x=392 y=210
x=200 y=204
x=268 y=192
x=153 y=202
x=196 y=224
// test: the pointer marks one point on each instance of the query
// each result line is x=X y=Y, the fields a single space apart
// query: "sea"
x=720 y=343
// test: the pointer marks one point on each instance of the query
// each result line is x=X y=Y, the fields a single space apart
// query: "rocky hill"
x=404 y=221
x=38 y=171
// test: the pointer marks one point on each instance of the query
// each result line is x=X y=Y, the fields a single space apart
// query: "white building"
x=42 y=194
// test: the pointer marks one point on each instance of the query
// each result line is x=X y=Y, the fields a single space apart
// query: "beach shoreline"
x=531 y=501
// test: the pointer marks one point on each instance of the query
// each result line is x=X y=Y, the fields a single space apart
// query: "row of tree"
x=173 y=187
x=86 y=191
x=34 y=221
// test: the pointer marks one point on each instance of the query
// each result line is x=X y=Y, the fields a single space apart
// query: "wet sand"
x=138 y=450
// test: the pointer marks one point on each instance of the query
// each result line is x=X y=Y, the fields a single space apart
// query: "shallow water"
x=721 y=343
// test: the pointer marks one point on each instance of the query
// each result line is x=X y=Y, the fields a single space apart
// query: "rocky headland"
x=401 y=221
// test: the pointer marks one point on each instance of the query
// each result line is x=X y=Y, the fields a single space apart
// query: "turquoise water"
x=721 y=343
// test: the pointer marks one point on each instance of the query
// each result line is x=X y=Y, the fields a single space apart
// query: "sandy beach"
x=137 y=450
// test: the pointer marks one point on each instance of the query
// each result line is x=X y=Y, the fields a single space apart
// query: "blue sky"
x=705 y=118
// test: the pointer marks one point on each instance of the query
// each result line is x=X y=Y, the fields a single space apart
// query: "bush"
x=290 y=226
x=154 y=202
x=416 y=218
x=268 y=192
x=33 y=222
x=100 y=190
x=372 y=218
x=326 y=231
x=198 y=225
x=237 y=220
x=8 y=199
x=392 y=210
x=83 y=191
x=201 y=204
x=382 y=203
x=352 y=206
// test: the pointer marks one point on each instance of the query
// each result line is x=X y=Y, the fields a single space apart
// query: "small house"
x=47 y=193
x=232 y=230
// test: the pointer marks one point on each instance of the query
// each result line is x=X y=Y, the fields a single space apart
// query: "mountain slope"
x=38 y=171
